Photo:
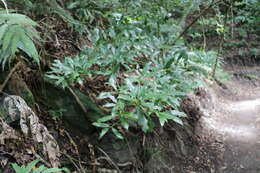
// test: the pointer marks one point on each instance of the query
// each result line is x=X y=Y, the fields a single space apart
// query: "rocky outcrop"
x=19 y=124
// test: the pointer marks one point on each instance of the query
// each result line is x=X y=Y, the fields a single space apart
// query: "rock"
x=56 y=98
x=120 y=151
x=18 y=110
x=17 y=86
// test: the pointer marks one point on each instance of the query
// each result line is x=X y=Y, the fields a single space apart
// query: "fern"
x=17 y=34
x=31 y=168
x=5 y=5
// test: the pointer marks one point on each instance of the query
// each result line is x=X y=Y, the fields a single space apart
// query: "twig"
x=9 y=76
x=79 y=102
x=72 y=161
x=110 y=160
x=119 y=164
x=196 y=19
x=93 y=159
x=76 y=148
x=82 y=162
x=2 y=92
x=40 y=158
x=130 y=150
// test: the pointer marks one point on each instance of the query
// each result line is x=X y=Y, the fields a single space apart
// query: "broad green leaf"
x=182 y=55
x=95 y=35
x=162 y=120
x=103 y=132
x=73 y=5
x=3 y=29
x=27 y=45
x=130 y=85
x=31 y=165
x=178 y=113
x=198 y=68
x=18 y=19
x=143 y=122
x=65 y=170
x=105 y=95
x=169 y=62
x=102 y=125
x=177 y=120
x=52 y=170
x=4 y=58
x=164 y=117
x=18 y=168
x=125 y=97
x=105 y=118
x=40 y=169
x=7 y=38
x=112 y=81
x=109 y=105
x=117 y=133
x=15 y=39
x=112 y=33
x=124 y=122
x=32 y=33
x=43 y=169
x=131 y=115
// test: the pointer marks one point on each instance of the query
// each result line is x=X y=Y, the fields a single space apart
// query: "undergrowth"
x=150 y=53
x=148 y=71
x=31 y=168
x=136 y=45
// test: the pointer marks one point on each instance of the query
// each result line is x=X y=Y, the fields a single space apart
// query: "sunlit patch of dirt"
x=233 y=121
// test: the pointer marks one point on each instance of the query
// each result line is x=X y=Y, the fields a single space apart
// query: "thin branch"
x=72 y=161
x=40 y=158
x=9 y=76
x=79 y=102
x=76 y=148
x=110 y=160
x=196 y=19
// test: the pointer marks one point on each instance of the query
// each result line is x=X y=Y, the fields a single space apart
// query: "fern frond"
x=17 y=33
x=26 y=44
x=16 y=19
x=5 y=4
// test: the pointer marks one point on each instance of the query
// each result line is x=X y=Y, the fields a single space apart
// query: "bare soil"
x=229 y=130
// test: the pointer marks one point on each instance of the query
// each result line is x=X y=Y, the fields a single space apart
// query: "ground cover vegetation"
x=149 y=54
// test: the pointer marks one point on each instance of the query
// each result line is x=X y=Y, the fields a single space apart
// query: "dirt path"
x=233 y=122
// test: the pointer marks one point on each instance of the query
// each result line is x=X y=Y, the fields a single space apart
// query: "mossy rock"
x=56 y=98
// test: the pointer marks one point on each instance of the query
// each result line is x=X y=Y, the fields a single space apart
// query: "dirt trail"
x=234 y=122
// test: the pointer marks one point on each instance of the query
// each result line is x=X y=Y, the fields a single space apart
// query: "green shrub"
x=71 y=71
x=148 y=71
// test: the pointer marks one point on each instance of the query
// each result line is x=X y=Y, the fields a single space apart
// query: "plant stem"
x=79 y=102
x=220 y=46
x=5 y=4
x=196 y=19
x=9 y=76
